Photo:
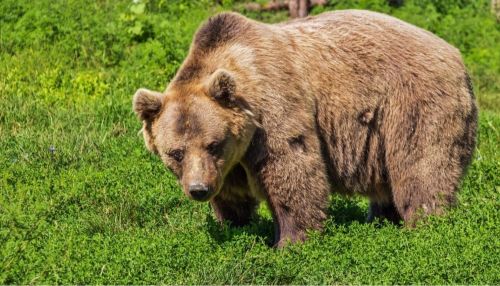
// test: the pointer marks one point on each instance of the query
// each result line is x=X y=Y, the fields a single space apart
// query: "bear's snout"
x=199 y=192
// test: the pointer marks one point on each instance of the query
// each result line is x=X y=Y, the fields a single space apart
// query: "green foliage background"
x=100 y=209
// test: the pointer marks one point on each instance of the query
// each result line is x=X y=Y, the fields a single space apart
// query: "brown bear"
x=353 y=102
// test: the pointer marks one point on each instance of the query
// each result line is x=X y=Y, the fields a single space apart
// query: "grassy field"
x=83 y=202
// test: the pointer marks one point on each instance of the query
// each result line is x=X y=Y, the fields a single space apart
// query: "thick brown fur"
x=351 y=101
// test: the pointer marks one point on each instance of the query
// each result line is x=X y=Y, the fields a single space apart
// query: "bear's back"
x=386 y=37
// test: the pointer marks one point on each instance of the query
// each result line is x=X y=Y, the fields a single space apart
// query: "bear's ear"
x=222 y=86
x=147 y=103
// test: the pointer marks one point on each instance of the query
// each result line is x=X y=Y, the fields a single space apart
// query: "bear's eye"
x=215 y=148
x=177 y=155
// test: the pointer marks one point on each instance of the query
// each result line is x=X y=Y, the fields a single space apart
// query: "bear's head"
x=200 y=131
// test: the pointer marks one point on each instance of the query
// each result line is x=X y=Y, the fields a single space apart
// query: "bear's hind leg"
x=427 y=148
x=415 y=198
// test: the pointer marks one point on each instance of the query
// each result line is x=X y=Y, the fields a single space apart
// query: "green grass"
x=100 y=209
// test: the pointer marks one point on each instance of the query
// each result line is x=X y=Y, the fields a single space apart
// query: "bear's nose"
x=198 y=192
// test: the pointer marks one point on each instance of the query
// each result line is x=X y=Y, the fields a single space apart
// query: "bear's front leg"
x=235 y=203
x=296 y=186
x=383 y=211
x=237 y=210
